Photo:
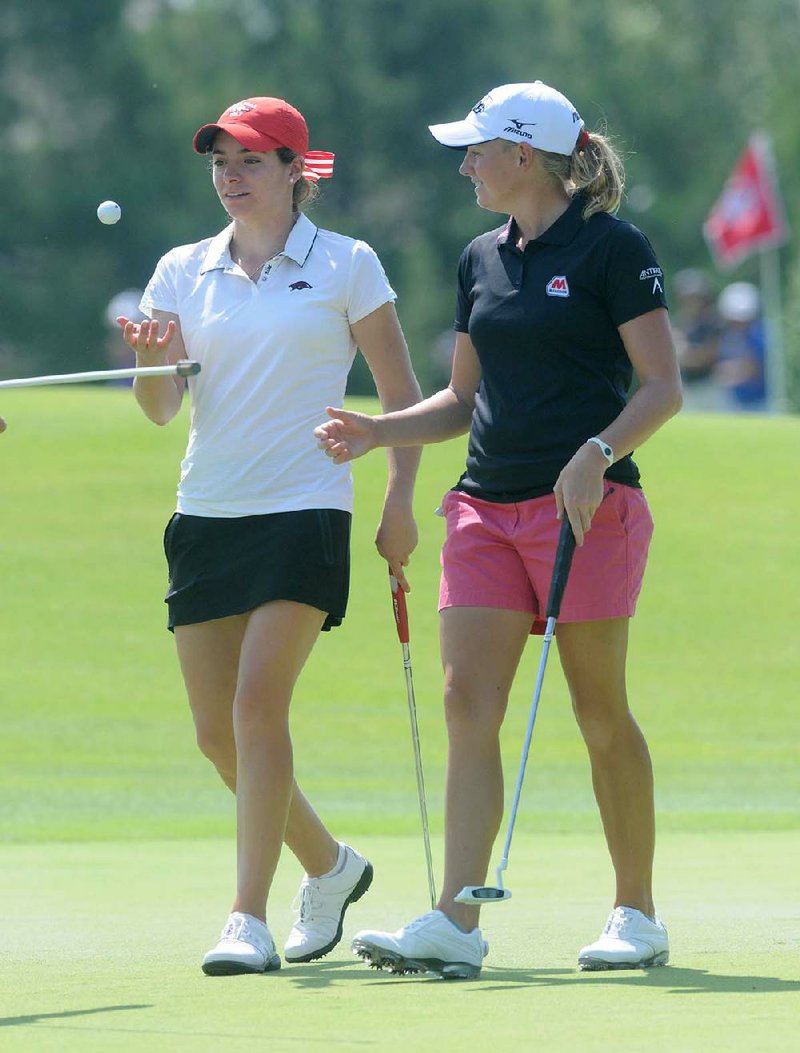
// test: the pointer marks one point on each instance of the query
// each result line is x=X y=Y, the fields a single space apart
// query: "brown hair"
x=305 y=190
x=594 y=168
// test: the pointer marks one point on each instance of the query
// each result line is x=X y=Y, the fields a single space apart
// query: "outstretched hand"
x=143 y=336
x=346 y=436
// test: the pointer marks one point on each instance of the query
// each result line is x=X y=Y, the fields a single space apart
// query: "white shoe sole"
x=232 y=967
x=360 y=888
x=590 y=965
x=381 y=958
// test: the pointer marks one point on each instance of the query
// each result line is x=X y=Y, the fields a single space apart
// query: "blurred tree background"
x=100 y=99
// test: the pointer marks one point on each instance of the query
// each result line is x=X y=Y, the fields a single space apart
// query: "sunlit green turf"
x=97 y=741
x=115 y=868
x=102 y=945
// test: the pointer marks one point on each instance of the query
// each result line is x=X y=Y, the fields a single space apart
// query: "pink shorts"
x=501 y=555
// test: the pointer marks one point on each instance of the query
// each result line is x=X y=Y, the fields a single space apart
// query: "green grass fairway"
x=101 y=952
x=116 y=837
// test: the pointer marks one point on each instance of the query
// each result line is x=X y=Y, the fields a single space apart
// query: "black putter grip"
x=564 y=554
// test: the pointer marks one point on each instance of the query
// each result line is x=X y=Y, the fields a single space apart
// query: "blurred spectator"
x=740 y=369
x=697 y=328
x=118 y=354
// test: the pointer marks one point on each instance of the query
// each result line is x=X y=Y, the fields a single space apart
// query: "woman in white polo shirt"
x=274 y=309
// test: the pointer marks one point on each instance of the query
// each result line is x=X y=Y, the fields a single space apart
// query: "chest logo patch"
x=300 y=285
x=558 y=286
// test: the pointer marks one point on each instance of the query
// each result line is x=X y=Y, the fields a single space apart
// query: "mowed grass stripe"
x=97 y=739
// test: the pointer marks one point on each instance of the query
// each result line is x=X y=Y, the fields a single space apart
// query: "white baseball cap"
x=521 y=113
x=739 y=302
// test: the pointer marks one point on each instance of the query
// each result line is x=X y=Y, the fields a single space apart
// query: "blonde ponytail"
x=594 y=168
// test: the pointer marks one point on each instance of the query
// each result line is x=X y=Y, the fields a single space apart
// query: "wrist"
x=604 y=448
x=151 y=357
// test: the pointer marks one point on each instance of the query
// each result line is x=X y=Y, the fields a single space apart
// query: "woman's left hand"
x=397 y=538
x=579 y=489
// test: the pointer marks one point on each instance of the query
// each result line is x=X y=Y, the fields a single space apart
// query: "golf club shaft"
x=561 y=568
x=178 y=369
x=401 y=621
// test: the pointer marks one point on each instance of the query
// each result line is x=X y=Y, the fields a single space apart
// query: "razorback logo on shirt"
x=300 y=285
x=558 y=286
x=656 y=274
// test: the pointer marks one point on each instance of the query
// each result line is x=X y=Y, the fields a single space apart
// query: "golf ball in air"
x=108 y=212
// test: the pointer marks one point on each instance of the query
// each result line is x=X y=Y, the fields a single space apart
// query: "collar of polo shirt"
x=297 y=247
x=559 y=233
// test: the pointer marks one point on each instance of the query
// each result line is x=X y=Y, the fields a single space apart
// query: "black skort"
x=221 y=567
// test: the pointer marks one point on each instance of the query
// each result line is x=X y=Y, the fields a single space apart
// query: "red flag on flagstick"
x=748 y=215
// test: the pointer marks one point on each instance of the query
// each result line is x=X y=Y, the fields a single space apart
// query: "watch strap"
x=605 y=449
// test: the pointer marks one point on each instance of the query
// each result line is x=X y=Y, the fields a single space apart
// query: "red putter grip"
x=563 y=562
x=400 y=610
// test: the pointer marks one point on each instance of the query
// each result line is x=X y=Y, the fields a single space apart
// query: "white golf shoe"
x=245 y=946
x=630 y=940
x=430 y=944
x=322 y=905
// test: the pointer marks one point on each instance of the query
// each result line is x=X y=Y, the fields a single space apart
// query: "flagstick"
x=775 y=364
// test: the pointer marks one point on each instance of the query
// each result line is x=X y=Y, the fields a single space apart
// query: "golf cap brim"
x=459 y=135
x=249 y=138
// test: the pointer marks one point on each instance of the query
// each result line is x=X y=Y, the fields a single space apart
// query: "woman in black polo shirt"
x=557 y=310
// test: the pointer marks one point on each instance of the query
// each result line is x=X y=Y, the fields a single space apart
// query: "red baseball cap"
x=261 y=124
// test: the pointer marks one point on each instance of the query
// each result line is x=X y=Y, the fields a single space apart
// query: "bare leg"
x=481 y=649
x=278 y=640
x=209 y=654
x=308 y=838
x=593 y=656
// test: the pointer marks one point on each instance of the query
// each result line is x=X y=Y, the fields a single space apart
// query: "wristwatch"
x=606 y=450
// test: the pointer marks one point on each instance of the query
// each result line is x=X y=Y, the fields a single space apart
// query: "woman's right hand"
x=347 y=435
x=143 y=336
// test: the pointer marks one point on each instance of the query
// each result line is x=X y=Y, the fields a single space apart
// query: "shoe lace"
x=234 y=929
x=417 y=923
x=618 y=922
x=307 y=901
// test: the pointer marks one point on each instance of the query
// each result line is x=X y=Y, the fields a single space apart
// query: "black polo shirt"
x=554 y=370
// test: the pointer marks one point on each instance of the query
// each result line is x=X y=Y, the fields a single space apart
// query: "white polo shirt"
x=273 y=354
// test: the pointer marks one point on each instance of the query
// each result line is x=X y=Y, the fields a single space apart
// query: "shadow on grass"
x=670 y=979
x=38 y=1018
x=319 y=974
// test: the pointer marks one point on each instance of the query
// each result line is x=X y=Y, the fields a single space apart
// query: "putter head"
x=478 y=895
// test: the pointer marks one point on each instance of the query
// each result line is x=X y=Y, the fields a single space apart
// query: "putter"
x=480 y=894
x=401 y=620
x=184 y=368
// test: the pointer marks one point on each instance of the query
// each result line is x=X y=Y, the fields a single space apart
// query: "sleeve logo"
x=557 y=286
x=657 y=276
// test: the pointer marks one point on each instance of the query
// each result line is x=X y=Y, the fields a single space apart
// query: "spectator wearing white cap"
x=556 y=311
x=697 y=327
x=274 y=309
x=741 y=366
